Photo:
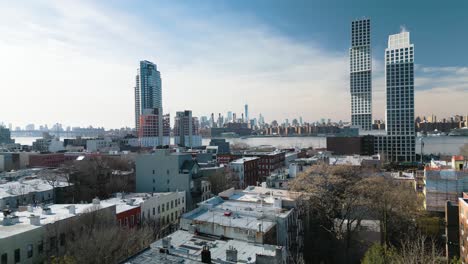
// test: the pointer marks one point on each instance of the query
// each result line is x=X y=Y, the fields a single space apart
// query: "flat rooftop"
x=244 y=159
x=244 y=215
x=259 y=194
x=128 y=201
x=58 y=212
x=187 y=247
x=26 y=185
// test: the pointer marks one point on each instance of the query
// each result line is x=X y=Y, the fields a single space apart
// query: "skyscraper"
x=148 y=90
x=246 y=113
x=361 y=74
x=399 y=78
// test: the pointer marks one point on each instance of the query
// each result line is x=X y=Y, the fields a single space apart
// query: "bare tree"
x=464 y=150
x=54 y=178
x=94 y=237
x=335 y=200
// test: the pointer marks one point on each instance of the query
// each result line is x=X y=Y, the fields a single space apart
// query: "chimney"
x=206 y=255
x=231 y=254
x=30 y=208
x=119 y=195
x=72 y=209
x=35 y=220
x=96 y=201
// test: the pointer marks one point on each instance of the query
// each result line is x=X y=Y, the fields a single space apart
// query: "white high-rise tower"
x=399 y=78
x=361 y=74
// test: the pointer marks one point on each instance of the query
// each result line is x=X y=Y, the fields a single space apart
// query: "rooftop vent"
x=166 y=242
x=46 y=211
x=131 y=202
x=96 y=201
x=35 y=220
x=71 y=209
x=231 y=254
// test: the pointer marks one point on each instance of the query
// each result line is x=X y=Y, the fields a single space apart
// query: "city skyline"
x=88 y=79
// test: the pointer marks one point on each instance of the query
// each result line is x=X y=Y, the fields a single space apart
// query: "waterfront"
x=446 y=145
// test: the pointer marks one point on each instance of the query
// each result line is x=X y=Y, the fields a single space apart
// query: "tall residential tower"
x=148 y=94
x=399 y=78
x=361 y=74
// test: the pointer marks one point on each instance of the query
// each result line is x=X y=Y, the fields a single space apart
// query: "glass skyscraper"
x=399 y=78
x=361 y=74
x=148 y=91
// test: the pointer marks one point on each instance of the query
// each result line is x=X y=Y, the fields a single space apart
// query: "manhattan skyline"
x=80 y=59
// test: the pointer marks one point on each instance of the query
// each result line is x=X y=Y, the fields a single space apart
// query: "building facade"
x=166 y=171
x=246 y=169
x=399 y=144
x=148 y=90
x=150 y=132
x=361 y=74
x=186 y=130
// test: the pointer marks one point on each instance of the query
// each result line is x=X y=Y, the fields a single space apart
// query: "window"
x=53 y=242
x=163 y=208
x=132 y=220
x=172 y=204
x=159 y=209
x=153 y=172
x=30 y=250
x=62 y=239
x=17 y=255
x=40 y=247
x=4 y=258
x=154 y=211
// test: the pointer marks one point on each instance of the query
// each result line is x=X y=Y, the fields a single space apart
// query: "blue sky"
x=74 y=61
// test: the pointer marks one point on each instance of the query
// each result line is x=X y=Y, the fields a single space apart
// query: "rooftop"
x=128 y=201
x=243 y=214
x=186 y=247
x=244 y=159
x=26 y=185
x=57 y=212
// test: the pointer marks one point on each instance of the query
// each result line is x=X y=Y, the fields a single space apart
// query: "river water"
x=446 y=145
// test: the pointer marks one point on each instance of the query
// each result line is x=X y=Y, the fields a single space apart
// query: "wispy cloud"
x=74 y=62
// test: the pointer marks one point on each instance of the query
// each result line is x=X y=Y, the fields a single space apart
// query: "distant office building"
x=229 y=116
x=363 y=145
x=399 y=143
x=186 y=130
x=5 y=136
x=150 y=132
x=246 y=106
x=148 y=89
x=361 y=74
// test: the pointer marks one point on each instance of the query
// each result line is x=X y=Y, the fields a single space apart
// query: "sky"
x=74 y=62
